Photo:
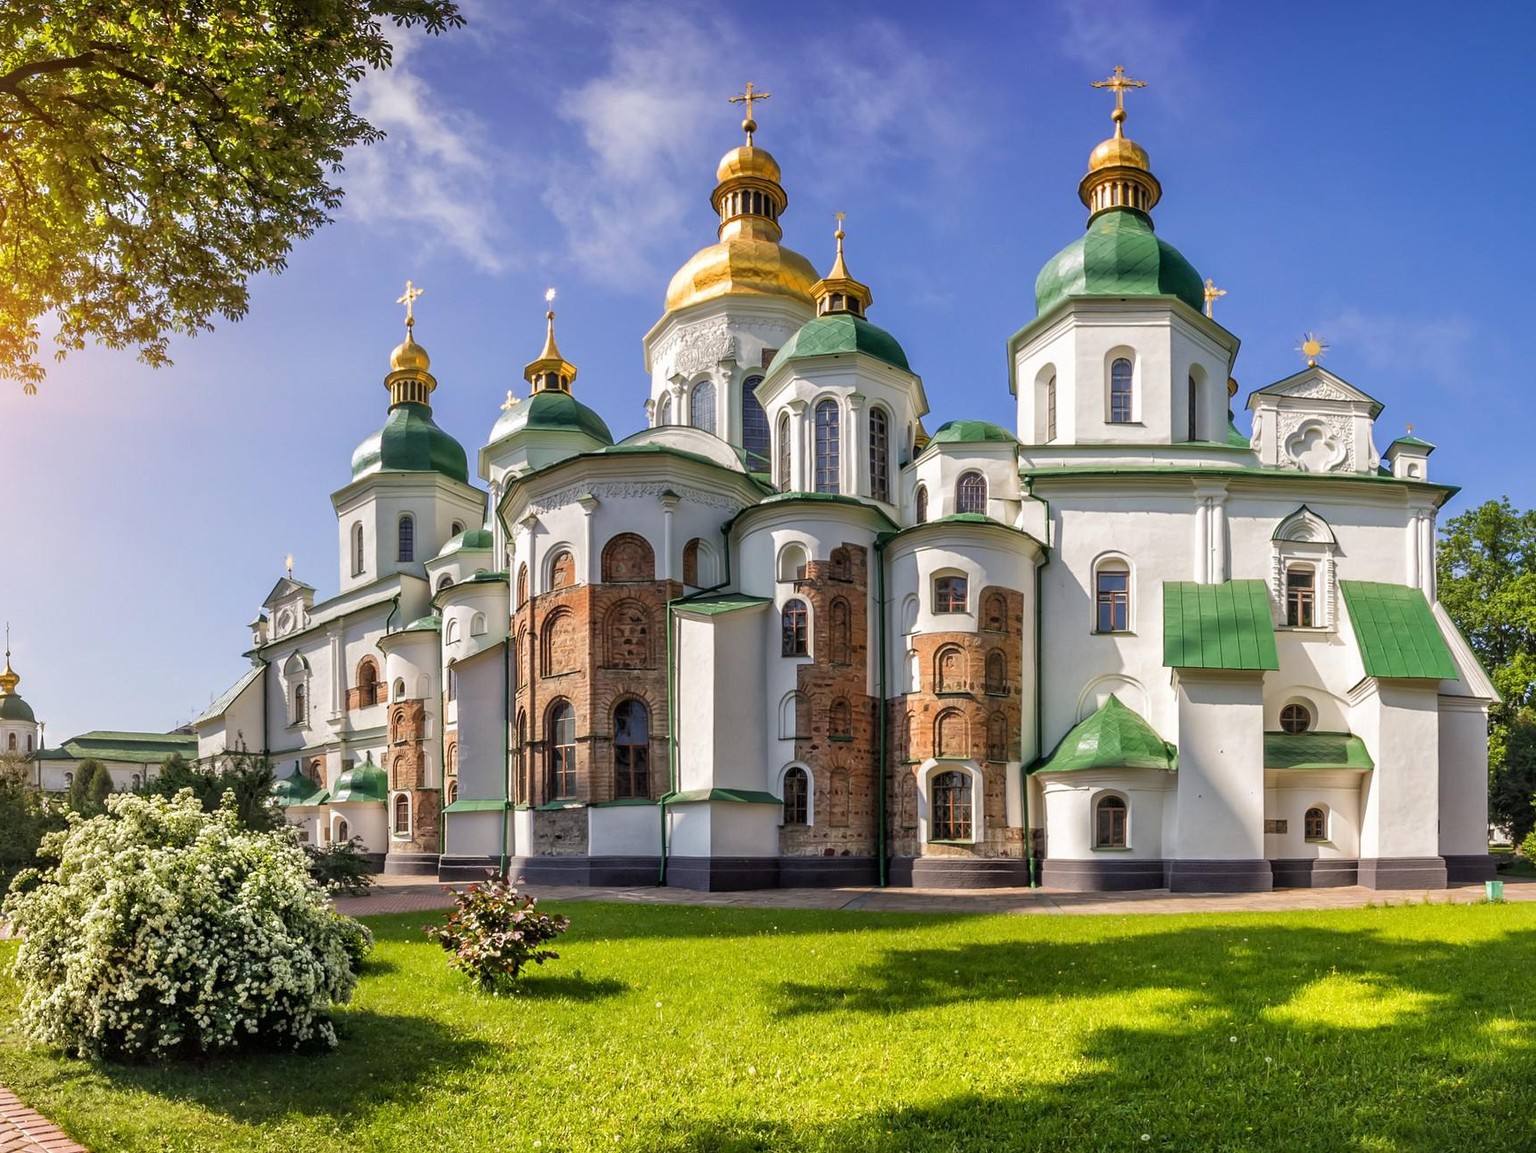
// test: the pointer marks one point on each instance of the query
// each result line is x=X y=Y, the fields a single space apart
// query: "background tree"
x=154 y=156
x=89 y=791
x=1487 y=582
x=244 y=774
x=25 y=815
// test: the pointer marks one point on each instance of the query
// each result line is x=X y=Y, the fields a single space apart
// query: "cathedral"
x=783 y=636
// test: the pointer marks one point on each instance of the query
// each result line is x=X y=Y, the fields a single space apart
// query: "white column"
x=668 y=502
x=680 y=401
x=650 y=414
x=1202 y=539
x=854 y=476
x=589 y=567
x=1219 y=548
x=798 y=473
x=338 y=675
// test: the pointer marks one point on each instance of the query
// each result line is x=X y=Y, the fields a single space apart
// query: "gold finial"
x=749 y=125
x=1211 y=293
x=1119 y=84
x=408 y=298
x=288 y=565
x=1313 y=347
x=550 y=371
x=510 y=402
x=838 y=291
x=9 y=678
x=8 y=636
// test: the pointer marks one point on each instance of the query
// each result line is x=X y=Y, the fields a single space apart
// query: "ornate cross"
x=749 y=125
x=408 y=298
x=1119 y=83
x=288 y=564
x=1211 y=293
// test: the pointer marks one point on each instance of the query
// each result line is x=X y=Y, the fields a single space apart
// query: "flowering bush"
x=163 y=930
x=492 y=933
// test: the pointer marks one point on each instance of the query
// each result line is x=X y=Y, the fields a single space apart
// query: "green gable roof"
x=410 y=441
x=1315 y=751
x=1225 y=626
x=1397 y=632
x=1119 y=255
x=1114 y=737
x=139 y=748
x=724 y=603
x=841 y=332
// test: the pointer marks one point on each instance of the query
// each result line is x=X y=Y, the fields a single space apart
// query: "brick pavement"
x=24 y=1131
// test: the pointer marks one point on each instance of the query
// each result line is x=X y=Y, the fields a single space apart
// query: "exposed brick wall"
x=406 y=764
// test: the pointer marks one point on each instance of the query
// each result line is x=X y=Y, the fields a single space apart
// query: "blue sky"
x=1360 y=170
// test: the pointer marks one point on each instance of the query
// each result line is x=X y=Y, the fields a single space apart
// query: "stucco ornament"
x=702 y=346
x=1317 y=446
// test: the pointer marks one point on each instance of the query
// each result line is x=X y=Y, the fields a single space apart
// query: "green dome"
x=297 y=790
x=551 y=410
x=1114 y=737
x=475 y=539
x=410 y=441
x=364 y=782
x=13 y=708
x=971 y=432
x=1119 y=255
x=841 y=332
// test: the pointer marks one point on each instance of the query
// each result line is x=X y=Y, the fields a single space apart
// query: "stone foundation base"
x=1403 y=872
x=1470 y=869
x=722 y=874
x=959 y=872
x=604 y=872
x=411 y=865
x=1314 y=873
x=1219 y=877
x=827 y=872
x=1102 y=874
x=468 y=868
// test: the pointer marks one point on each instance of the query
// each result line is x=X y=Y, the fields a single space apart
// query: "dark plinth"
x=411 y=865
x=1314 y=873
x=1472 y=868
x=1102 y=874
x=723 y=874
x=1220 y=877
x=605 y=872
x=968 y=873
x=1403 y=872
x=467 y=867
x=827 y=872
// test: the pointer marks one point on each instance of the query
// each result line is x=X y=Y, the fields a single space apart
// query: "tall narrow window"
x=407 y=537
x=1109 y=821
x=691 y=563
x=402 y=827
x=701 y=406
x=357 y=549
x=300 y=707
x=1120 y=397
x=951 y=807
x=1315 y=825
x=997 y=673
x=781 y=467
x=879 y=454
x=1194 y=408
x=1300 y=597
x=754 y=426
x=664 y=409
x=828 y=447
x=971 y=493
x=797 y=796
x=1050 y=410
x=522 y=583
x=1113 y=597
x=795 y=624
x=562 y=752
x=840 y=647
x=631 y=750
x=921 y=513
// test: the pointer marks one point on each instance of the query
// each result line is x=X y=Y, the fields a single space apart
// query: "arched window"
x=1112 y=596
x=522 y=583
x=1315 y=824
x=477 y=625
x=1295 y=718
x=451 y=632
x=792 y=562
x=452 y=687
x=951 y=807
x=949 y=670
x=357 y=549
x=300 y=707
x=407 y=529
x=950 y=593
x=794 y=716
x=691 y=563
x=1050 y=410
x=664 y=409
x=399 y=688
x=997 y=737
x=795 y=620
x=1109 y=823
x=627 y=636
x=879 y=454
x=1194 y=407
x=701 y=406
x=971 y=493
x=781 y=450
x=402 y=823
x=557 y=643
x=136 y=781
x=1121 y=408
x=797 y=796
x=444 y=582
x=562 y=751
x=369 y=690
x=522 y=784
x=921 y=514
x=839 y=718
x=10 y=743
x=631 y=749
x=828 y=447
x=456 y=528
x=997 y=673
x=1301 y=596
x=754 y=426
x=628 y=557
x=842 y=564
x=841 y=647
x=562 y=570
x=29 y=742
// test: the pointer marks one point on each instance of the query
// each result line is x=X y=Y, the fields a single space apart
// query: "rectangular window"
x=1300 y=599
x=1114 y=601
x=949 y=594
x=1050 y=410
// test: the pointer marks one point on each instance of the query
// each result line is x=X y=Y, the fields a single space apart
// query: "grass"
x=676 y=1028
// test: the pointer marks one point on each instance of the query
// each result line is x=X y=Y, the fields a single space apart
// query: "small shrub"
x=342 y=867
x=162 y=930
x=1528 y=847
x=356 y=939
x=492 y=932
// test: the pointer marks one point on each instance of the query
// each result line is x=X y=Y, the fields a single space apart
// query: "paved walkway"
x=23 y=1131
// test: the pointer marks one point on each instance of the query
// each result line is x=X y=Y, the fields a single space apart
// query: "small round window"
x=1295 y=718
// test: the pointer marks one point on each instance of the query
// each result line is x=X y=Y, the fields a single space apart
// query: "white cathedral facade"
x=782 y=636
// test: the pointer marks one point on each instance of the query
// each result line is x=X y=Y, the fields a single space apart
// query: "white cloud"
x=1150 y=41
x=1439 y=349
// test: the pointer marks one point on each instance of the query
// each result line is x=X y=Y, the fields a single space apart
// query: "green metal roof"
x=221 y=706
x=1225 y=626
x=1413 y=442
x=428 y=624
x=1397 y=632
x=478 y=806
x=734 y=796
x=725 y=603
x=475 y=540
x=410 y=441
x=971 y=432
x=1235 y=437
x=13 y=708
x=109 y=745
x=1114 y=737
x=551 y=411
x=1119 y=255
x=364 y=782
x=841 y=332
x=297 y=790
x=1315 y=751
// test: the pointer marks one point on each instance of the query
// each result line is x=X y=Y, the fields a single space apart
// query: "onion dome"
x=297 y=790
x=972 y=432
x=748 y=260
x=410 y=440
x=838 y=291
x=551 y=408
x=364 y=782
x=12 y=707
x=1119 y=255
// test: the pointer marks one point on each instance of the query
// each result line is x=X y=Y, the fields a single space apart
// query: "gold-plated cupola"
x=838 y=291
x=1119 y=170
x=409 y=381
x=551 y=372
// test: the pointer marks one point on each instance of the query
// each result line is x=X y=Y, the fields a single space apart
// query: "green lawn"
x=672 y=1028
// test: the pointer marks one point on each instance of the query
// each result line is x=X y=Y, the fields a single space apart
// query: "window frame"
x=703 y=400
x=827 y=422
x=952 y=806
x=560 y=769
x=632 y=758
x=783 y=457
x=1050 y=410
x=1301 y=600
x=879 y=454
x=1289 y=716
x=1106 y=838
x=752 y=411
x=1121 y=406
x=1113 y=565
x=807 y=799
x=795 y=628
x=920 y=504
x=943 y=598
x=405 y=539
x=971 y=482
x=401 y=803
x=359 y=559
x=1321 y=836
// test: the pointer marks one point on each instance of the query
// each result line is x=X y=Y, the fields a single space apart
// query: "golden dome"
x=1117 y=151
x=409 y=355
x=742 y=266
x=748 y=160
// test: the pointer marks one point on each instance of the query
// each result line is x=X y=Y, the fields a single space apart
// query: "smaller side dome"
x=748 y=160
x=12 y=707
x=550 y=410
x=409 y=355
x=364 y=782
x=841 y=332
x=297 y=790
x=472 y=540
x=972 y=432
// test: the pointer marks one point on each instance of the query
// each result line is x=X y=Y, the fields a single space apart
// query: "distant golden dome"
x=748 y=160
x=409 y=355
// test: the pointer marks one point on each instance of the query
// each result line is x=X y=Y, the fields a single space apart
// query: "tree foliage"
x=1487 y=582
x=246 y=776
x=26 y=814
x=90 y=788
x=153 y=157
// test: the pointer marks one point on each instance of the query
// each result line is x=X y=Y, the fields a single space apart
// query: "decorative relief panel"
x=1316 y=443
x=630 y=490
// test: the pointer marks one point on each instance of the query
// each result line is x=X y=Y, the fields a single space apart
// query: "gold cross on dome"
x=1211 y=293
x=408 y=298
x=749 y=125
x=1119 y=84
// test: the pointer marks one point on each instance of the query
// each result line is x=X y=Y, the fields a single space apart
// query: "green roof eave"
x=1412 y=441
x=1283 y=475
x=1397 y=632
x=730 y=796
x=716 y=605
x=135 y=748
x=478 y=806
x=1113 y=737
x=1316 y=750
x=1218 y=626
x=962 y=519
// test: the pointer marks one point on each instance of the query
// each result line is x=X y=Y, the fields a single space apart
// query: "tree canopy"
x=90 y=788
x=153 y=157
x=245 y=775
x=1487 y=582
